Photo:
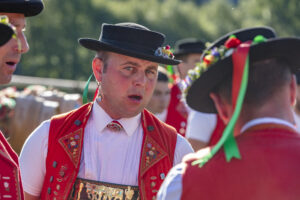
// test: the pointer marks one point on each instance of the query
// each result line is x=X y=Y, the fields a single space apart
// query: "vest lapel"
x=72 y=144
x=5 y=155
x=152 y=152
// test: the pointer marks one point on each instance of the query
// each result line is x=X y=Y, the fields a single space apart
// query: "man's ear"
x=221 y=106
x=98 y=68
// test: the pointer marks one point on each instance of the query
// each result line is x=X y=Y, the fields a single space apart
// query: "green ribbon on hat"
x=230 y=146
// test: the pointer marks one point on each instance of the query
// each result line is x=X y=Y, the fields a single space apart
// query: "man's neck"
x=282 y=113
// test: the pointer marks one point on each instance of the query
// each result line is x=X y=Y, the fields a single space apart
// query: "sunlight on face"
x=10 y=53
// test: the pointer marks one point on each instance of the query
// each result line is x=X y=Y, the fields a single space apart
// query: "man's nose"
x=140 y=79
x=21 y=43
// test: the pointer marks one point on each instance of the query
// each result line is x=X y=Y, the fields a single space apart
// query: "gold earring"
x=100 y=96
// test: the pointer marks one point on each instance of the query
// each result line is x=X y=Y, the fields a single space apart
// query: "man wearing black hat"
x=188 y=50
x=12 y=45
x=112 y=147
x=248 y=79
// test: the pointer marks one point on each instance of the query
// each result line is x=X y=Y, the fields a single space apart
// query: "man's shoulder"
x=196 y=155
x=85 y=107
x=158 y=122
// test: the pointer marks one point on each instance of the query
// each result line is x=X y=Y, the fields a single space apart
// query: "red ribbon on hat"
x=239 y=59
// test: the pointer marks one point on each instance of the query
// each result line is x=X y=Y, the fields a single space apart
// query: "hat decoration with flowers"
x=133 y=40
x=7 y=31
x=27 y=7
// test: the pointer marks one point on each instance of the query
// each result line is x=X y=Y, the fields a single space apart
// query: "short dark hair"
x=103 y=55
x=265 y=79
x=162 y=75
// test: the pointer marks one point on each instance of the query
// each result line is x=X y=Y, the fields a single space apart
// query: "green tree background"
x=53 y=35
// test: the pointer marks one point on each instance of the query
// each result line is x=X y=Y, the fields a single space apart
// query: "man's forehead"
x=12 y=14
x=17 y=19
x=135 y=60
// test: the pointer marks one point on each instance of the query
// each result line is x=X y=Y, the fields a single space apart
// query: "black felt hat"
x=6 y=33
x=132 y=40
x=288 y=48
x=27 y=7
x=187 y=46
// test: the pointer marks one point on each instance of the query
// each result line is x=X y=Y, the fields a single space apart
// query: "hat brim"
x=28 y=8
x=5 y=34
x=198 y=95
x=97 y=45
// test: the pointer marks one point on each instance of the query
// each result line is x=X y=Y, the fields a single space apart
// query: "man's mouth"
x=135 y=97
x=12 y=64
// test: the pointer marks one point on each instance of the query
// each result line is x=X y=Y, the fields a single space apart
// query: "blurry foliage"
x=53 y=35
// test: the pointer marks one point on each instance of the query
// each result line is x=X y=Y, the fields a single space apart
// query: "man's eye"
x=151 y=72
x=128 y=68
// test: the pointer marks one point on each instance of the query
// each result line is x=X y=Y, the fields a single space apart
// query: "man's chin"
x=5 y=80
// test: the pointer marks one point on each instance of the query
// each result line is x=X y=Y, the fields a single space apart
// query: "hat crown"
x=131 y=34
x=26 y=7
x=189 y=45
x=133 y=40
x=244 y=35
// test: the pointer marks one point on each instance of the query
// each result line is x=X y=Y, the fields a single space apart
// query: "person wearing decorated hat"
x=188 y=50
x=111 y=147
x=249 y=81
x=12 y=45
x=160 y=99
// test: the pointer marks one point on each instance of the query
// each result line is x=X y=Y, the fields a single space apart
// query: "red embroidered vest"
x=269 y=168
x=65 y=146
x=10 y=179
x=174 y=117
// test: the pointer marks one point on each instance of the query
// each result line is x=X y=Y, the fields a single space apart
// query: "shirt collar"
x=267 y=120
x=102 y=119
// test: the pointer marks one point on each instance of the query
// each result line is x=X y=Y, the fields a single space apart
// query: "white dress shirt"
x=200 y=126
x=107 y=156
x=171 y=189
x=162 y=116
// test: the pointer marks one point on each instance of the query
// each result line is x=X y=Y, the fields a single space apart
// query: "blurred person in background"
x=189 y=50
x=12 y=45
x=160 y=99
x=111 y=147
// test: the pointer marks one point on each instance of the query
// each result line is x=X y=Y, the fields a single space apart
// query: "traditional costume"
x=85 y=154
x=177 y=110
x=10 y=179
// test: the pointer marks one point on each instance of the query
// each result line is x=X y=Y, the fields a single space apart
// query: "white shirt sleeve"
x=183 y=147
x=171 y=189
x=33 y=159
x=200 y=126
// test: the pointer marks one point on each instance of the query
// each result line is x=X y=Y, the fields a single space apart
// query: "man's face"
x=188 y=63
x=10 y=53
x=127 y=84
x=161 y=98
